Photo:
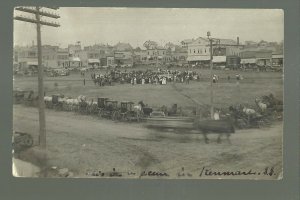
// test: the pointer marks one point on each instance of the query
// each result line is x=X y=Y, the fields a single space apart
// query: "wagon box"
x=216 y=126
x=170 y=123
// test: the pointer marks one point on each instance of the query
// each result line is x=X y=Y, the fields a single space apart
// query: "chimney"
x=238 y=41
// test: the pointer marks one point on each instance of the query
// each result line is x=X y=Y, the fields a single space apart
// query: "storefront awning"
x=248 y=60
x=198 y=58
x=93 y=61
x=219 y=59
x=32 y=63
x=75 y=59
x=277 y=56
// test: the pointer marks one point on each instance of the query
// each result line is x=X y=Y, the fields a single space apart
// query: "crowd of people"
x=157 y=77
x=160 y=76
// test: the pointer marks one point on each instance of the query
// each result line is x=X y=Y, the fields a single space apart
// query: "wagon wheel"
x=117 y=115
x=100 y=113
x=27 y=140
x=113 y=115
x=122 y=116
x=94 y=110
x=87 y=110
x=127 y=116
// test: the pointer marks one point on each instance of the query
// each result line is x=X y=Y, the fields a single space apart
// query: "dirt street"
x=84 y=143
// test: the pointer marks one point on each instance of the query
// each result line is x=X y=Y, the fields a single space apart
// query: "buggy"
x=108 y=108
x=127 y=111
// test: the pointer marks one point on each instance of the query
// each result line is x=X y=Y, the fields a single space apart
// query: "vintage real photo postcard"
x=159 y=93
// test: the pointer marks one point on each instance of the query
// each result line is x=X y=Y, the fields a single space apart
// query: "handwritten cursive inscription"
x=269 y=171
x=153 y=173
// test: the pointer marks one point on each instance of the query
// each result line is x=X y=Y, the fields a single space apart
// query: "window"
x=198 y=50
x=32 y=54
x=205 y=50
x=190 y=51
x=194 y=51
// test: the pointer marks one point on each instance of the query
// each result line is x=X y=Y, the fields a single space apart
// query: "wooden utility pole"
x=211 y=77
x=42 y=122
x=156 y=57
x=37 y=20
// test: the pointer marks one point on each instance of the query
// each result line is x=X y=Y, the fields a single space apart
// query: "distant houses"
x=226 y=53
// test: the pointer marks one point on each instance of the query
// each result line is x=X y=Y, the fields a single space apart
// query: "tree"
x=150 y=44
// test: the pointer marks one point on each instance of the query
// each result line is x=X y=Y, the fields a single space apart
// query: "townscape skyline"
x=136 y=25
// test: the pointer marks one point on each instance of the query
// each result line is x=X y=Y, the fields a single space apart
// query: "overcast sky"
x=136 y=25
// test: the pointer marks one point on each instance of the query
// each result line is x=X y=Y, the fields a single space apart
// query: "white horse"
x=72 y=104
x=81 y=98
x=138 y=110
x=48 y=101
x=249 y=111
x=262 y=106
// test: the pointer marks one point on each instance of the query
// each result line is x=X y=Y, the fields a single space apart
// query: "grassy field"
x=226 y=92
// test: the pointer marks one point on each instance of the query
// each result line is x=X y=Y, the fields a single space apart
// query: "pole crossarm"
x=25 y=19
x=52 y=7
x=40 y=12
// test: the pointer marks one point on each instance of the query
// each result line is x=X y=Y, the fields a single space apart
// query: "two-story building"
x=74 y=49
x=63 y=58
x=27 y=56
x=179 y=55
x=199 y=50
x=156 y=55
x=123 y=57
x=139 y=56
x=186 y=42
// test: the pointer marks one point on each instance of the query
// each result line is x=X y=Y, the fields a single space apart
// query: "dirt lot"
x=83 y=143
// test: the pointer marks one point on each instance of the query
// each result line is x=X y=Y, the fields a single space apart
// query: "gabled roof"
x=187 y=41
x=123 y=46
x=199 y=40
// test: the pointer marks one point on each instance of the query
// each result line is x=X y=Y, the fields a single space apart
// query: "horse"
x=48 y=101
x=262 y=106
x=138 y=111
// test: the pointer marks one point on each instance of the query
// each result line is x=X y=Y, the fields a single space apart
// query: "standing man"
x=228 y=78
x=214 y=79
x=84 y=81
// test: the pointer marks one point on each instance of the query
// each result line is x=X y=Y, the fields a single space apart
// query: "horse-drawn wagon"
x=56 y=103
x=129 y=112
x=108 y=108
x=186 y=124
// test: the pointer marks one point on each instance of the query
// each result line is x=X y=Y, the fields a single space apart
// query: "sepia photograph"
x=148 y=93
